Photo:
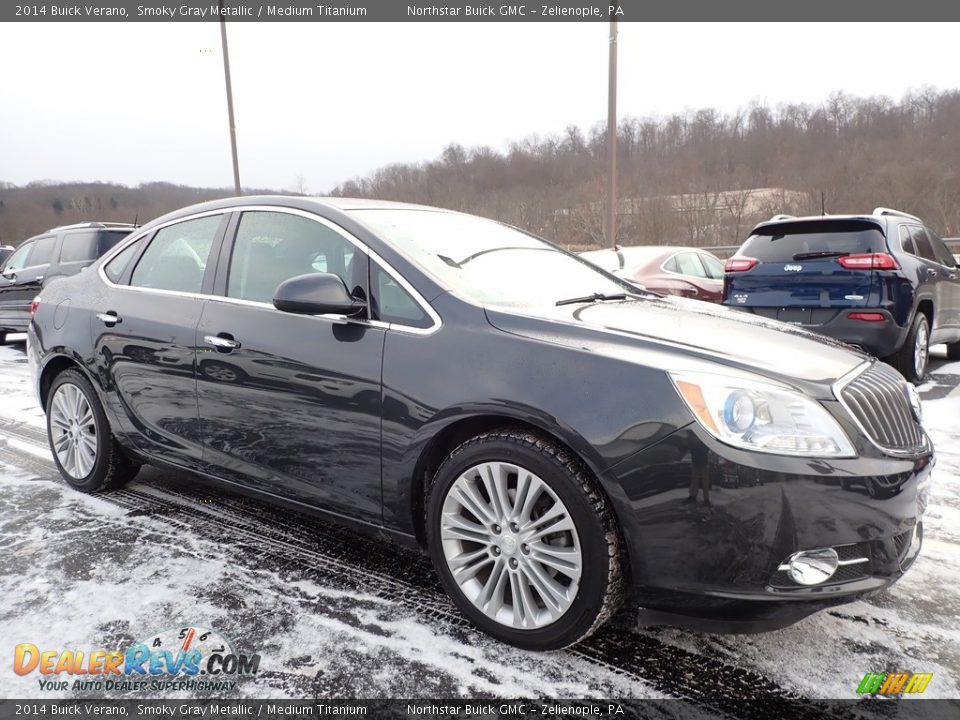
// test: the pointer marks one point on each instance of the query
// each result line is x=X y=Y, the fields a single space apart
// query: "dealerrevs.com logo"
x=189 y=658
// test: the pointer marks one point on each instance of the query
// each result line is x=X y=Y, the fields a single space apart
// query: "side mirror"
x=9 y=274
x=316 y=294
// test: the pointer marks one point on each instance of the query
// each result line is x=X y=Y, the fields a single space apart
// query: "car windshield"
x=487 y=262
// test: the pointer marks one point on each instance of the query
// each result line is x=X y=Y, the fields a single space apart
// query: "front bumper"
x=707 y=527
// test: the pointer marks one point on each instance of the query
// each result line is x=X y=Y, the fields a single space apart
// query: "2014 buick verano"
x=558 y=441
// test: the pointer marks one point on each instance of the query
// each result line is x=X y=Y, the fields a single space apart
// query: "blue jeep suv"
x=883 y=282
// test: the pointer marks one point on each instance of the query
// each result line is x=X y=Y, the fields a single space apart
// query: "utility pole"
x=226 y=76
x=612 y=139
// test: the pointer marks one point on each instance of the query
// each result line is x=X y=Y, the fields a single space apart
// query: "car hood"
x=676 y=333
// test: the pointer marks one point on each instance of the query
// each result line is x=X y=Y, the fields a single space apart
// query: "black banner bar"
x=479 y=11
x=482 y=709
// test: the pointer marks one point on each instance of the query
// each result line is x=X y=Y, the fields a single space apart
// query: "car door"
x=290 y=404
x=22 y=279
x=948 y=277
x=144 y=335
x=933 y=283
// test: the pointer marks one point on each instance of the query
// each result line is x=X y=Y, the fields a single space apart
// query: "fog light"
x=812 y=567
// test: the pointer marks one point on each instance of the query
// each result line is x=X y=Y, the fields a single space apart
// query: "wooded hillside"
x=693 y=178
x=701 y=177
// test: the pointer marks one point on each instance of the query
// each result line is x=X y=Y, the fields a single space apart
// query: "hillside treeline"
x=704 y=177
x=38 y=206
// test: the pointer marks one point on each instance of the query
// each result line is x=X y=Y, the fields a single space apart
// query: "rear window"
x=110 y=239
x=805 y=241
x=78 y=246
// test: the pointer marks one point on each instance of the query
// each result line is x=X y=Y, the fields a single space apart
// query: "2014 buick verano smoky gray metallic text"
x=563 y=445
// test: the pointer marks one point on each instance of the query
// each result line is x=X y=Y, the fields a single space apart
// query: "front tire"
x=85 y=451
x=524 y=541
x=913 y=358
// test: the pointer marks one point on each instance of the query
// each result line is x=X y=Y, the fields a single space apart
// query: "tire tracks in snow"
x=354 y=561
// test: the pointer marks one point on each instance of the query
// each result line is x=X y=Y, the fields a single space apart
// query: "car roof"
x=302 y=202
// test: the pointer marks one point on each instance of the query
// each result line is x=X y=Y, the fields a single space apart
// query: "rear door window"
x=78 y=246
x=944 y=256
x=689 y=264
x=109 y=240
x=713 y=266
x=788 y=242
x=176 y=258
x=922 y=243
x=906 y=242
x=42 y=252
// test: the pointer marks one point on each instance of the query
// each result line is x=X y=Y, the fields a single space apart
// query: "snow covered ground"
x=333 y=613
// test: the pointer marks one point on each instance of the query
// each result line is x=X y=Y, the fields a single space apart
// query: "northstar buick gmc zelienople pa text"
x=561 y=443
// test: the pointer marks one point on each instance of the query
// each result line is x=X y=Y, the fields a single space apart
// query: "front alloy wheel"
x=511 y=545
x=524 y=540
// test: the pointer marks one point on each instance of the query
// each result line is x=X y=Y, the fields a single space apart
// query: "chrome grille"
x=878 y=401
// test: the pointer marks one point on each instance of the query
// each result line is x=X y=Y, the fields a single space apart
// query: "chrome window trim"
x=358 y=244
x=838 y=387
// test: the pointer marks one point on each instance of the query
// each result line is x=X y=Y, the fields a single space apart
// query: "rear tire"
x=913 y=358
x=84 y=448
x=953 y=351
x=569 y=581
x=3 y=338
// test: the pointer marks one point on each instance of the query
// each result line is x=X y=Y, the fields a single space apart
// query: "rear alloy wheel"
x=912 y=359
x=84 y=449
x=524 y=541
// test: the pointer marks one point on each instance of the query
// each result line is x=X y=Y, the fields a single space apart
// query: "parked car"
x=5 y=252
x=59 y=252
x=683 y=271
x=883 y=282
x=549 y=434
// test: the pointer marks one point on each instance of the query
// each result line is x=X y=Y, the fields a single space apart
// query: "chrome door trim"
x=358 y=244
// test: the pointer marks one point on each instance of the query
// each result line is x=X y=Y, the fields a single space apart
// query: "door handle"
x=39 y=278
x=931 y=271
x=221 y=343
x=108 y=318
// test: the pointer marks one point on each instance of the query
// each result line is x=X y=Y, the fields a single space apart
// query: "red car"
x=684 y=271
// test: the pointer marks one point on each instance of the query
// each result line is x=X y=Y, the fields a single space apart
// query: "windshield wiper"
x=592 y=298
x=820 y=254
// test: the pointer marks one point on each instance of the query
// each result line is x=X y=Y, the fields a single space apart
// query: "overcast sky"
x=135 y=102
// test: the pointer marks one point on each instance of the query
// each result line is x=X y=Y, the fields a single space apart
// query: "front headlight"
x=762 y=417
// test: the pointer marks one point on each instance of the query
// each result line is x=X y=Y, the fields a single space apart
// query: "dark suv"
x=56 y=253
x=883 y=282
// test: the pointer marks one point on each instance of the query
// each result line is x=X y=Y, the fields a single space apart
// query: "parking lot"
x=334 y=613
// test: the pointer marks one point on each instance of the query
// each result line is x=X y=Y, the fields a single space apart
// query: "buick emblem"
x=914 y=399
